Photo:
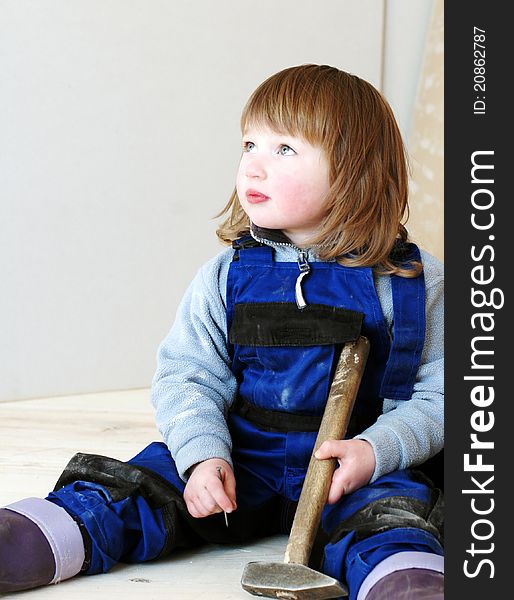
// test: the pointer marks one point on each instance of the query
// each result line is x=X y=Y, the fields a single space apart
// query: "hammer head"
x=289 y=580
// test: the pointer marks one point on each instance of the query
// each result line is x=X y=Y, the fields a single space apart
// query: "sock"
x=40 y=543
x=405 y=576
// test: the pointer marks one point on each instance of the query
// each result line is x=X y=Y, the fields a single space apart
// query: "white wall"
x=406 y=23
x=119 y=141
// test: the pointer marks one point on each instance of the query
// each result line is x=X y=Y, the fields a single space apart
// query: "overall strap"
x=254 y=252
x=409 y=332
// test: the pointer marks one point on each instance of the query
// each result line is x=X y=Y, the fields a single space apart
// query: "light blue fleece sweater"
x=194 y=387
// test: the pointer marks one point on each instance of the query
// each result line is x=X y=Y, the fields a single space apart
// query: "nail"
x=218 y=469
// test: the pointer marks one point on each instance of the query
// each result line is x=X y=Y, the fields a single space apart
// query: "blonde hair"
x=368 y=175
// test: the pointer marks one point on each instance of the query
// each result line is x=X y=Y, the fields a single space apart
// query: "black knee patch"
x=393 y=512
x=122 y=480
x=383 y=515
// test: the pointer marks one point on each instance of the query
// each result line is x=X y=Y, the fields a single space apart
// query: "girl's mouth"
x=254 y=197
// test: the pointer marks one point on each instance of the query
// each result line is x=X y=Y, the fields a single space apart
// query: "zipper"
x=303 y=265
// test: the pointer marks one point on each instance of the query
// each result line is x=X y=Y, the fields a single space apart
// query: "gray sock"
x=409 y=584
x=407 y=575
x=39 y=544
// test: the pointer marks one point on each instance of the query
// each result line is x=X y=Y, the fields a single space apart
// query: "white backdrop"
x=119 y=141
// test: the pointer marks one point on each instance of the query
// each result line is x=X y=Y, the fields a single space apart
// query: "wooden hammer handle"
x=334 y=423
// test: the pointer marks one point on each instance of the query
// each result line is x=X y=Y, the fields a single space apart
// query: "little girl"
x=316 y=234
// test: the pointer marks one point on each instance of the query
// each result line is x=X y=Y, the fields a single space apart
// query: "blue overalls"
x=283 y=361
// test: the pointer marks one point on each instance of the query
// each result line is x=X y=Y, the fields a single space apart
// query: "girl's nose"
x=255 y=169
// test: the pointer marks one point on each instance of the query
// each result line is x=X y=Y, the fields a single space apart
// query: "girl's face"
x=282 y=181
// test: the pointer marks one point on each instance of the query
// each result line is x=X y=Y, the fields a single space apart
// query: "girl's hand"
x=207 y=494
x=356 y=465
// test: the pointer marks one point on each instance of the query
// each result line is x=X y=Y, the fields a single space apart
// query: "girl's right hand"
x=207 y=494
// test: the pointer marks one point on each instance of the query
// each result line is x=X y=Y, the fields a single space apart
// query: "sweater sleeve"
x=193 y=386
x=410 y=432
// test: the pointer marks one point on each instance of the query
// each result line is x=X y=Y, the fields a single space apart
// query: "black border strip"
x=478 y=128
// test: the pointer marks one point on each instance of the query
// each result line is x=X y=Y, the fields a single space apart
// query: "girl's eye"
x=248 y=146
x=286 y=150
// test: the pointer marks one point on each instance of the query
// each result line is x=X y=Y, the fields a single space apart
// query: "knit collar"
x=270 y=235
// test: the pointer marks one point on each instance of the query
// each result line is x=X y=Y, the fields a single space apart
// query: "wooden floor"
x=38 y=437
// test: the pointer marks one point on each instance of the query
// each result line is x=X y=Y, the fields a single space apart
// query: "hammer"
x=293 y=579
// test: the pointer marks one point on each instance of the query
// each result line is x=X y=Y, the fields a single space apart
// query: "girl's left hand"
x=356 y=465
